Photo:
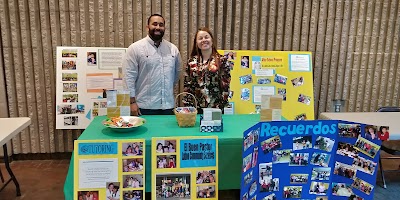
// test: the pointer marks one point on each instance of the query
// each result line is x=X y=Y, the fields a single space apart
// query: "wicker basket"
x=186 y=119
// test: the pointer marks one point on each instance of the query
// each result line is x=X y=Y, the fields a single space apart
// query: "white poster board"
x=82 y=74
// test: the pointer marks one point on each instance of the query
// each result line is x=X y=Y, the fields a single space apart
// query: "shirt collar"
x=152 y=41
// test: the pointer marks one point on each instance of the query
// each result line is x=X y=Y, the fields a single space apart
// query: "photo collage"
x=131 y=175
x=267 y=71
x=175 y=181
x=314 y=166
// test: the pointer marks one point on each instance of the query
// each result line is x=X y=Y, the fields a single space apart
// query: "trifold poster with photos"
x=324 y=159
x=82 y=75
x=184 y=167
x=257 y=73
x=109 y=169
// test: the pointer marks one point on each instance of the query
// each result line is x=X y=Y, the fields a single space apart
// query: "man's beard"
x=154 y=36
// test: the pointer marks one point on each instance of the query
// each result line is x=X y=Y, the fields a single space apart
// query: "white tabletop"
x=9 y=127
x=391 y=119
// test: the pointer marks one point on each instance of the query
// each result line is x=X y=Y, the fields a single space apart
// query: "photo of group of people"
x=271 y=144
x=166 y=161
x=70 y=87
x=299 y=159
x=132 y=149
x=70 y=98
x=282 y=91
x=344 y=170
x=320 y=159
x=362 y=186
x=248 y=178
x=319 y=188
x=367 y=147
x=300 y=143
x=205 y=177
x=364 y=165
x=71 y=121
x=346 y=149
x=321 y=173
x=69 y=53
x=301 y=117
x=204 y=191
x=280 y=79
x=290 y=192
x=298 y=81
x=349 y=130
x=324 y=143
x=246 y=79
x=132 y=165
x=69 y=76
x=304 y=99
x=250 y=139
x=91 y=58
x=88 y=195
x=68 y=65
x=267 y=183
x=166 y=146
x=133 y=181
x=298 y=178
x=342 y=189
x=133 y=195
x=70 y=109
x=281 y=156
x=175 y=186
x=113 y=191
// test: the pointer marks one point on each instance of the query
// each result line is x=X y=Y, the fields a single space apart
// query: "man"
x=152 y=68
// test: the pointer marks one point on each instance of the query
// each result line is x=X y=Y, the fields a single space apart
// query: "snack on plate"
x=121 y=122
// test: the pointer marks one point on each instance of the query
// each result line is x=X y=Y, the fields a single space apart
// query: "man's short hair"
x=154 y=15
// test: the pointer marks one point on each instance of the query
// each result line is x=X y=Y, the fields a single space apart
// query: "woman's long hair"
x=196 y=51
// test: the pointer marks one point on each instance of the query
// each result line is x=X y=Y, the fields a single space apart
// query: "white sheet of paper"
x=118 y=84
x=262 y=90
x=300 y=63
x=99 y=81
x=111 y=58
x=264 y=72
x=94 y=173
x=276 y=114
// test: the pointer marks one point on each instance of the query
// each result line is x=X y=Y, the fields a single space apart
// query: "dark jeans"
x=156 y=111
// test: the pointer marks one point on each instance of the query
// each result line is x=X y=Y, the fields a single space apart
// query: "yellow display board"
x=256 y=73
x=109 y=169
x=184 y=167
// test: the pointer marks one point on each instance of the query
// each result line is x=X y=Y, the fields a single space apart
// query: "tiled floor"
x=44 y=179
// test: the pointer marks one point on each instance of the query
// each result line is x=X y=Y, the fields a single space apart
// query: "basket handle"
x=176 y=98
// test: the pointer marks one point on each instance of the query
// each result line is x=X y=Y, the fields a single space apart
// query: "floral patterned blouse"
x=208 y=82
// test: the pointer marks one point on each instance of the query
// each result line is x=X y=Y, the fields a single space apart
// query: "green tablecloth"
x=230 y=144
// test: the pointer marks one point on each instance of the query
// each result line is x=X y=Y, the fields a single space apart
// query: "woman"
x=207 y=74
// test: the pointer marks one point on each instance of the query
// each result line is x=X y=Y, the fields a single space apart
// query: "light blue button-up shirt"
x=150 y=73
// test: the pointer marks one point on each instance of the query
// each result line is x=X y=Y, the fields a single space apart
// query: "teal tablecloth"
x=230 y=144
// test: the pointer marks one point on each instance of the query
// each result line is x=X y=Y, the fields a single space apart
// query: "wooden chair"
x=390 y=147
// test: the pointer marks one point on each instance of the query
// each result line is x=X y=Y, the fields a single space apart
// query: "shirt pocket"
x=169 y=63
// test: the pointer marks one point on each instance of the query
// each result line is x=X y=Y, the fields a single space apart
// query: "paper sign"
x=258 y=91
x=299 y=62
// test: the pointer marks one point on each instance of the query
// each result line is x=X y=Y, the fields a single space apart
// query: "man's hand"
x=135 y=110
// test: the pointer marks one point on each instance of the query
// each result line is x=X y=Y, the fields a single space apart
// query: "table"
x=230 y=144
x=9 y=128
x=391 y=119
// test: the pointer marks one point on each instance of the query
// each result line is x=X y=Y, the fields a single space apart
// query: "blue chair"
x=387 y=149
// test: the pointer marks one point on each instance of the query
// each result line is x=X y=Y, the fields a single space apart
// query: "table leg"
x=7 y=163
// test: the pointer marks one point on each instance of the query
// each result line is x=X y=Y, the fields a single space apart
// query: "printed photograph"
x=173 y=186
x=253 y=188
x=206 y=191
x=69 y=76
x=245 y=196
x=271 y=144
x=113 y=190
x=319 y=188
x=70 y=87
x=355 y=197
x=304 y=99
x=371 y=132
x=69 y=53
x=132 y=165
x=133 y=195
x=271 y=186
x=280 y=79
x=290 y=192
x=246 y=79
x=71 y=121
x=364 y=165
x=263 y=81
x=230 y=55
x=167 y=161
x=132 y=149
x=342 y=189
x=324 y=143
x=363 y=186
x=349 y=130
x=255 y=157
x=298 y=178
x=367 y=147
x=298 y=81
x=133 y=181
x=70 y=109
x=282 y=91
x=265 y=170
x=320 y=159
x=70 y=98
x=244 y=63
x=344 y=170
x=206 y=176
x=95 y=112
x=247 y=162
x=347 y=149
x=82 y=195
x=256 y=65
x=303 y=142
x=383 y=133
x=245 y=94
x=68 y=65
x=281 y=156
x=231 y=94
x=301 y=117
x=91 y=58
x=298 y=159
x=248 y=177
x=257 y=109
x=165 y=146
x=270 y=197
x=248 y=140
x=321 y=173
